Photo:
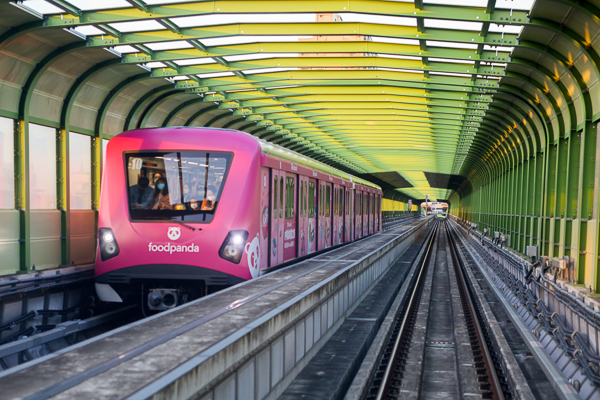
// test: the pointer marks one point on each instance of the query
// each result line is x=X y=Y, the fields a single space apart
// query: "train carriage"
x=436 y=208
x=219 y=207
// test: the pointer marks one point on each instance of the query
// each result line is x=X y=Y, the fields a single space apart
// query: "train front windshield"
x=183 y=186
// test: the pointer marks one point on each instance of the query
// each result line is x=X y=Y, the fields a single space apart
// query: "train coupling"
x=163 y=299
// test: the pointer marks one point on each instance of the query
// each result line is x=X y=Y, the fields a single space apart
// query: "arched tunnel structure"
x=490 y=105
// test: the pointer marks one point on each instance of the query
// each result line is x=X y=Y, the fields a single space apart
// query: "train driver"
x=140 y=195
x=161 y=198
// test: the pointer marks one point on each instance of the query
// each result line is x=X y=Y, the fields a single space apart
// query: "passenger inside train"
x=140 y=195
x=186 y=185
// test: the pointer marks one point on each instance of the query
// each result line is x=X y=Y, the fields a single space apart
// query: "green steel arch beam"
x=243 y=128
x=158 y=100
x=179 y=108
x=199 y=113
x=79 y=84
x=217 y=118
x=538 y=113
x=112 y=95
x=38 y=71
x=17 y=31
x=141 y=104
x=233 y=122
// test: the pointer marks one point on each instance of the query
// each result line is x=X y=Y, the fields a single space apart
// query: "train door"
x=335 y=238
x=302 y=215
x=311 y=232
x=357 y=215
x=347 y=215
x=277 y=217
x=371 y=213
x=328 y=215
x=322 y=218
x=373 y=208
x=334 y=215
x=378 y=214
x=264 y=217
x=341 y=193
x=321 y=230
x=290 y=200
x=324 y=215
x=365 y=213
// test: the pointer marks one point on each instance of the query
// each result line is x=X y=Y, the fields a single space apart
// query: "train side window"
x=320 y=194
x=289 y=198
x=328 y=201
x=311 y=200
x=302 y=199
x=323 y=200
x=305 y=199
x=334 y=201
x=347 y=202
x=325 y=187
x=322 y=197
x=360 y=200
x=275 y=197
x=281 y=197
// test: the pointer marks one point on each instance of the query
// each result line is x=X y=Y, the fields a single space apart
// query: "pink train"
x=185 y=211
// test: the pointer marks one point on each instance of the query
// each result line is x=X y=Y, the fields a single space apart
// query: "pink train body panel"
x=288 y=210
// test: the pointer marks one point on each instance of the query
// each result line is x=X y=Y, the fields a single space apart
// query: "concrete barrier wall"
x=260 y=361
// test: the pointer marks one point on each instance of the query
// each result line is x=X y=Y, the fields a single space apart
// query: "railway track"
x=440 y=345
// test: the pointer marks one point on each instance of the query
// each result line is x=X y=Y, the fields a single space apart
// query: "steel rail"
x=383 y=386
x=497 y=392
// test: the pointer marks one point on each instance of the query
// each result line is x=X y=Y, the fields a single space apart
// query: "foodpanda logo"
x=174 y=233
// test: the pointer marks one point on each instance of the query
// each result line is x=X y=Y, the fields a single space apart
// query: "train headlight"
x=237 y=240
x=107 y=243
x=108 y=237
x=233 y=246
x=110 y=248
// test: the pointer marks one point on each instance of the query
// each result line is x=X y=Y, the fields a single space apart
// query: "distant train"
x=439 y=209
x=186 y=210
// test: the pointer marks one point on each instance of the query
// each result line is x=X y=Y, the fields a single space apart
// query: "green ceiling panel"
x=400 y=90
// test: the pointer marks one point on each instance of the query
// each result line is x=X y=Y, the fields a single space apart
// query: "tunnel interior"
x=492 y=106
